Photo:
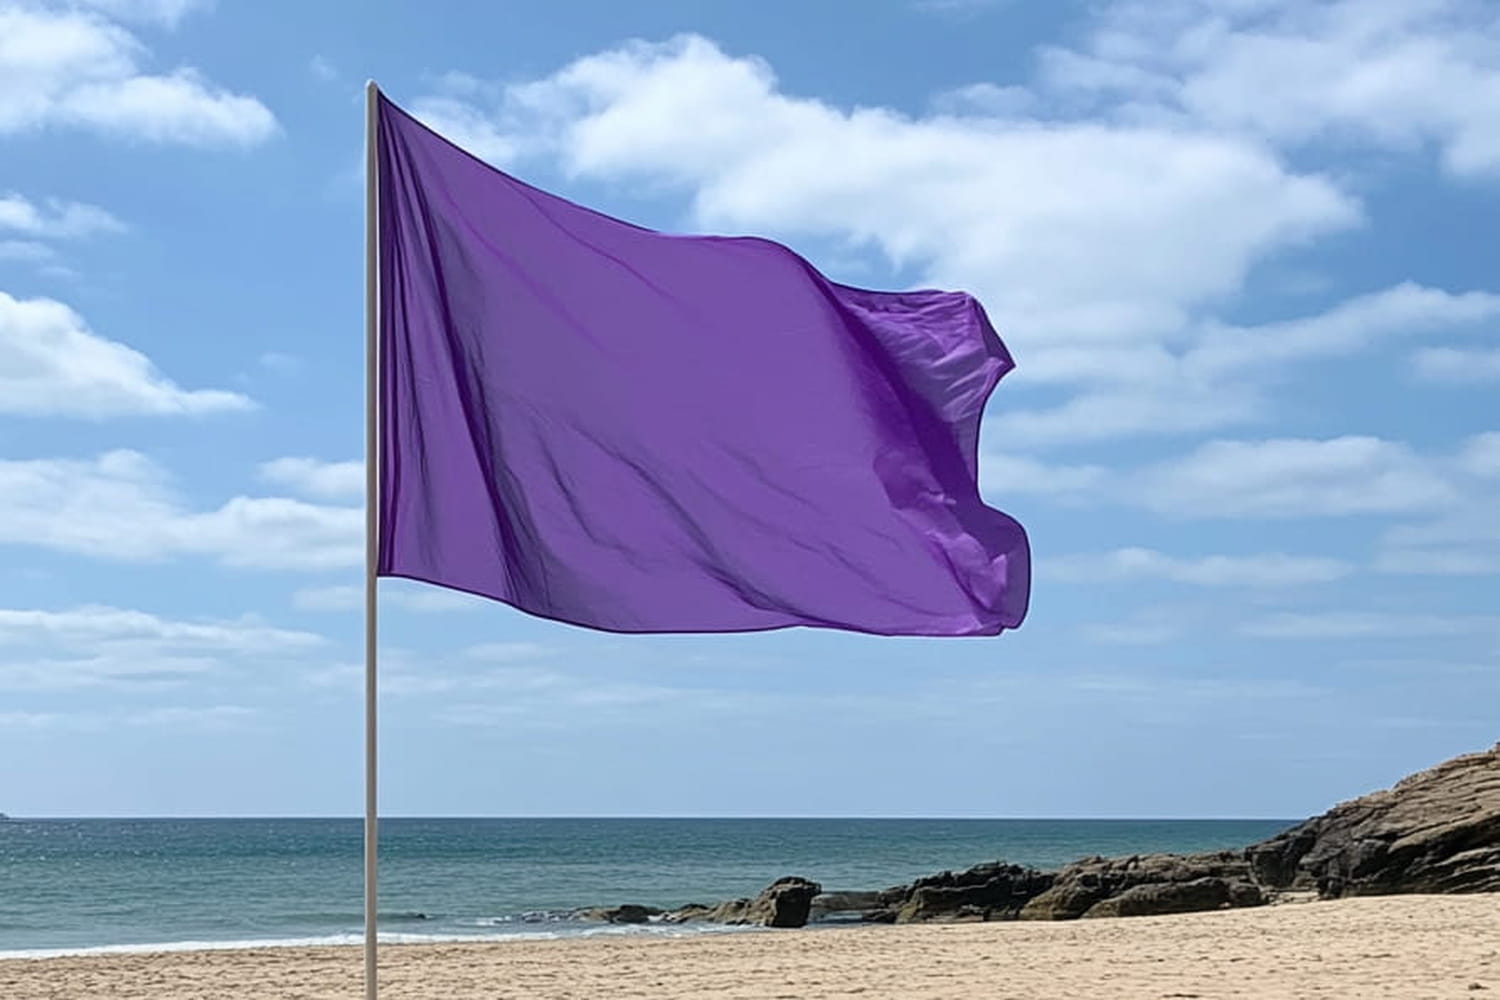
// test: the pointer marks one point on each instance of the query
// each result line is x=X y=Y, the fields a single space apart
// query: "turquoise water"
x=84 y=884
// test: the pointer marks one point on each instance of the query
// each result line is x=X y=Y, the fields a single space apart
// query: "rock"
x=629 y=913
x=993 y=891
x=832 y=905
x=787 y=902
x=1177 y=897
x=1154 y=883
x=1437 y=831
x=731 y=911
x=683 y=914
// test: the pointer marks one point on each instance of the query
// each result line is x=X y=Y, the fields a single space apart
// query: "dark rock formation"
x=1154 y=883
x=1155 y=898
x=629 y=913
x=993 y=891
x=690 y=912
x=1436 y=831
x=784 y=903
x=844 y=905
x=787 y=902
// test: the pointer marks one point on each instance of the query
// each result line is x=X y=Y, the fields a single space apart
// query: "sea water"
x=70 y=885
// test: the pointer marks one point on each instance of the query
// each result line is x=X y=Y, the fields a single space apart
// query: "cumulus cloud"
x=1035 y=216
x=315 y=477
x=1392 y=74
x=54 y=219
x=1452 y=364
x=73 y=67
x=1101 y=246
x=1293 y=477
x=402 y=594
x=165 y=12
x=122 y=505
x=1002 y=475
x=95 y=646
x=1276 y=478
x=1221 y=375
x=52 y=364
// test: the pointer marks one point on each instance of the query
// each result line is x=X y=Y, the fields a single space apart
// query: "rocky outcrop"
x=834 y=906
x=1146 y=884
x=993 y=891
x=630 y=913
x=787 y=902
x=1436 y=831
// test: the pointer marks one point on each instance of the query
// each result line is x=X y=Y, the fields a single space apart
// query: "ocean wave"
x=610 y=930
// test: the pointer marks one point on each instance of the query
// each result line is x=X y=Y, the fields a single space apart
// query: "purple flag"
x=641 y=432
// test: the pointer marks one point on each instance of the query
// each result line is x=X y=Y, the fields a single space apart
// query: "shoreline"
x=393 y=939
x=1365 y=947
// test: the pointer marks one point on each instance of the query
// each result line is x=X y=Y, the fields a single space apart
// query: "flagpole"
x=372 y=538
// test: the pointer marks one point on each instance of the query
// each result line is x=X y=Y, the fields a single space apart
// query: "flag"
x=636 y=431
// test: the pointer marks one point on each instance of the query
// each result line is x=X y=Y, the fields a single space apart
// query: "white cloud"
x=95 y=646
x=62 y=67
x=52 y=364
x=1481 y=456
x=56 y=219
x=1463 y=540
x=317 y=478
x=469 y=127
x=115 y=626
x=393 y=593
x=1219 y=377
x=1451 y=364
x=1367 y=625
x=1348 y=328
x=989 y=193
x=1265 y=570
x=121 y=505
x=1395 y=74
x=25 y=250
x=1277 y=478
x=1031 y=215
x=1168 y=405
x=166 y=12
x=404 y=673
x=1296 y=478
x=1008 y=475
x=1467 y=561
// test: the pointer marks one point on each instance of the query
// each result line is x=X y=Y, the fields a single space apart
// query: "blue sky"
x=1241 y=249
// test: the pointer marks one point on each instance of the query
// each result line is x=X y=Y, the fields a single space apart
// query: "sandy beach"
x=1404 y=948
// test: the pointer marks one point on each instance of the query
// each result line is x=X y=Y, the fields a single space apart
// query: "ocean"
x=78 y=885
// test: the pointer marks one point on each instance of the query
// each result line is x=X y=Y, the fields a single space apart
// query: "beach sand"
x=1400 y=947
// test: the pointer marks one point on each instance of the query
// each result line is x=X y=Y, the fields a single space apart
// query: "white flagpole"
x=372 y=521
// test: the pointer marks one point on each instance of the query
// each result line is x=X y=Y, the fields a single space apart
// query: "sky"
x=1242 y=251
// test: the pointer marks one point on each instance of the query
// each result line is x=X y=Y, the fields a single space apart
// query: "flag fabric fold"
x=641 y=432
